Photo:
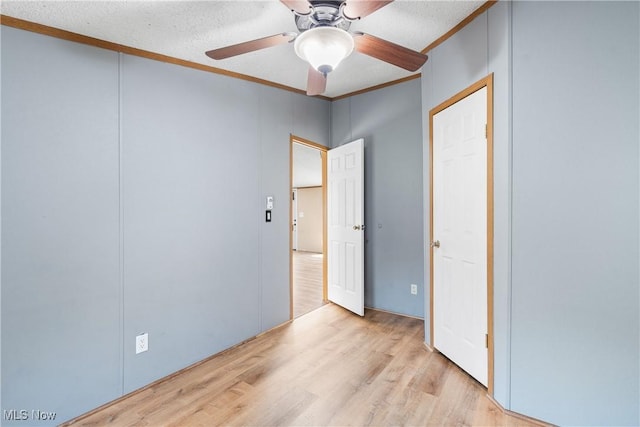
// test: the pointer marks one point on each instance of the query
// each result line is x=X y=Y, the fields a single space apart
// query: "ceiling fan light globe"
x=324 y=47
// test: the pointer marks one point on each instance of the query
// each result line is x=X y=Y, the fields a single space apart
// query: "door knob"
x=435 y=244
x=358 y=227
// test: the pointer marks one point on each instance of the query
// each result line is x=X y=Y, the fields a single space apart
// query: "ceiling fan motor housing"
x=325 y=13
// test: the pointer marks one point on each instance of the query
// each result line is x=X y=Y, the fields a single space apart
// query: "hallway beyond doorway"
x=307 y=282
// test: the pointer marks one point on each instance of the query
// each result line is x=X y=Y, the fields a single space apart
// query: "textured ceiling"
x=307 y=166
x=186 y=29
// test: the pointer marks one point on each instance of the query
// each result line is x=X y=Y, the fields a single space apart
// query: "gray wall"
x=117 y=173
x=61 y=307
x=133 y=201
x=389 y=121
x=575 y=277
x=566 y=172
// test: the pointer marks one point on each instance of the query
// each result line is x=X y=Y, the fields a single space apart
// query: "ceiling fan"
x=323 y=39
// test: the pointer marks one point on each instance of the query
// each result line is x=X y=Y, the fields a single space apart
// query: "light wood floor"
x=328 y=367
x=307 y=282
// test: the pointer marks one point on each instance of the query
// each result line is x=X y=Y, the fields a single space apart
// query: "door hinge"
x=486 y=130
x=486 y=340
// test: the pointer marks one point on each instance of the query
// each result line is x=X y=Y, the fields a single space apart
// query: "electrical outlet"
x=414 y=289
x=142 y=343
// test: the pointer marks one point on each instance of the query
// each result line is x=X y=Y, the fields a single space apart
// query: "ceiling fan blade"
x=389 y=52
x=356 y=9
x=301 y=7
x=250 y=46
x=316 y=82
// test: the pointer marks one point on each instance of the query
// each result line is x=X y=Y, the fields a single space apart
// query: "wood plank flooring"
x=307 y=282
x=328 y=367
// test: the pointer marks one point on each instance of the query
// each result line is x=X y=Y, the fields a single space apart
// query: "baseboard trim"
x=275 y=328
x=393 y=312
x=157 y=382
x=498 y=406
x=526 y=418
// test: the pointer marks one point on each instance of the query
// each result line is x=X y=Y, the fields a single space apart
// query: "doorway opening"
x=308 y=223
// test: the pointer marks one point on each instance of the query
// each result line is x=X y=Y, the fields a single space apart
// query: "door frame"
x=294 y=214
x=293 y=139
x=482 y=83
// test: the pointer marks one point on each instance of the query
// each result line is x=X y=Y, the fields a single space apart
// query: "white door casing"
x=345 y=234
x=460 y=234
x=294 y=218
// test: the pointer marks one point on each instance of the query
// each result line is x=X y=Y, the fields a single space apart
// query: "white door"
x=294 y=219
x=345 y=234
x=460 y=233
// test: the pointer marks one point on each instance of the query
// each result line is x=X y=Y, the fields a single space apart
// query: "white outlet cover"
x=414 y=289
x=142 y=343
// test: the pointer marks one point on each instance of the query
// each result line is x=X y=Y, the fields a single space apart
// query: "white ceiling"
x=186 y=29
x=307 y=166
